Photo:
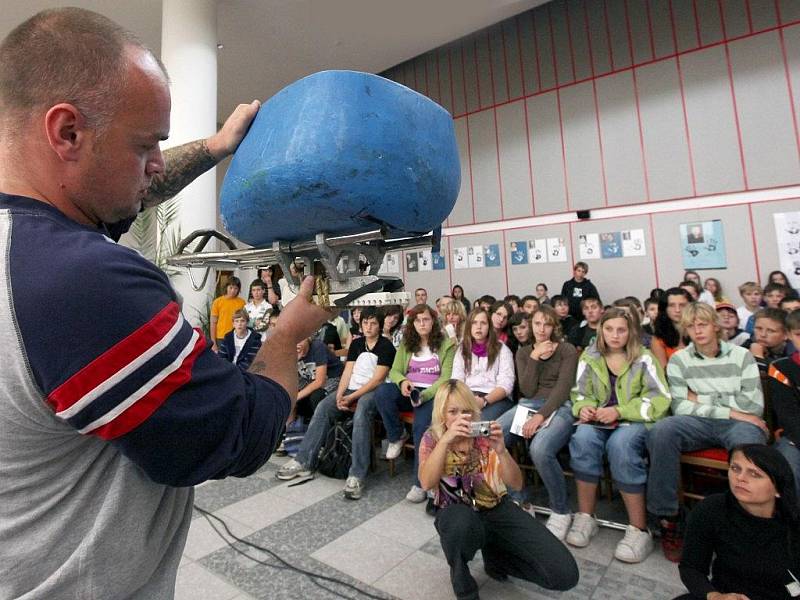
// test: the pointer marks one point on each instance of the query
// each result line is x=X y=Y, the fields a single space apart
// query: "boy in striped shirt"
x=716 y=401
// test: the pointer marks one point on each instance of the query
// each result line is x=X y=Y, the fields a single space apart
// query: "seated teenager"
x=752 y=295
x=500 y=313
x=468 y=476
x=578 y=288
x=368 y=361
x=619 y=392
x=521 y=334
x=567 y=321
x=634 y=308
x=514 y=302
x=486 y=302
x=529 y=304
x=241 y=345
x=743 y=543
x=546 y=371
x=780 y=278
x=258 y=309
x=769 y=338
x=458 y=294
x=318 y=371
x=729 y=321
x=668 y=339
x=454 y=317
x=702 y=294
x=774 y=293
x=694 y=290
x=789 y=304
x=485 y=365
x=392 y=323
x=650 y=315
x=584 y=336
x=784 y=387
x=423 y=361
x=714 y=287
x=716 y=400
x=541 y=294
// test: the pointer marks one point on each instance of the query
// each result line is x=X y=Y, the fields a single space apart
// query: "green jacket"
x=446 y=352
x=642 y=391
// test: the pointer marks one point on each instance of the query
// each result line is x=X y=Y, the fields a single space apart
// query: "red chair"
x=708 y=464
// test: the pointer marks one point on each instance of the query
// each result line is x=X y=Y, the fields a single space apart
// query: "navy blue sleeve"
x=124 y=364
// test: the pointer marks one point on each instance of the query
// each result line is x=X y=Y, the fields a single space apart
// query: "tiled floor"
x=381 y=544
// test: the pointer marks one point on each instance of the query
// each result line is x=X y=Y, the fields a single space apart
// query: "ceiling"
x=267 y=44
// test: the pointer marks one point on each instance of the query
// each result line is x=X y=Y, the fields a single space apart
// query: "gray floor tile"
x=196 y=583
x=214 y=495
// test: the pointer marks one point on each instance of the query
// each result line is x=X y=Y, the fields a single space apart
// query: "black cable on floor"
x=286 y=565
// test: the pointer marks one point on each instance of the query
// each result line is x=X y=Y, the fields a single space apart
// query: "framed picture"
x=703 y=245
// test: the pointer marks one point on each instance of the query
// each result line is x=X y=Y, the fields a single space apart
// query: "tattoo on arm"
x=183 y=164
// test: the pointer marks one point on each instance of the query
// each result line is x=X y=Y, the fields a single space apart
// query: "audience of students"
x=458 y=294
x=541 y=293
x=222 y=309
x=453 y=319
x=667 y=338
x=583 y=336
x=241 y=344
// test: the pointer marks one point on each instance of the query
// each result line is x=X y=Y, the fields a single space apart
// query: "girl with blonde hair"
x=469 y=476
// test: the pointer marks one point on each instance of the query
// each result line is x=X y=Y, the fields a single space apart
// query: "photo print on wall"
x=703 y=245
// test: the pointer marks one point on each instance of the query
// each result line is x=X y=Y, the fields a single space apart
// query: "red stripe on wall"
x=496 y=131
x=749 y=16
x=558 y=102
x=683 y=100
x=505 y=62
x=788 y=79
x=650 y=32
x=477 y=72
x=503 y=253
x=469 y=143
x=596 y=112
x=696 y=23
x=569 y=39
x=733 y=95
x=527 y=123
x=608 y=35
x=536 y=48
x=636 y=95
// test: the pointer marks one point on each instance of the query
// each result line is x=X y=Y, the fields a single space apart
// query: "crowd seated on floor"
x=626 y=387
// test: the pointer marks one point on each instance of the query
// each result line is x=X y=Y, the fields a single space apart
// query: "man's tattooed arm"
x=183 y=164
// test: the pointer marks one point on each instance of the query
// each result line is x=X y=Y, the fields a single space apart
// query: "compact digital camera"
x=480 y=429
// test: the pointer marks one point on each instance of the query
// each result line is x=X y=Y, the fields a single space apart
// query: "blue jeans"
x=544 y=448
x=391 y=403
x=625 y=447
x=685 y=433
x=323 y=420
x=792 y=455
x=493 y=411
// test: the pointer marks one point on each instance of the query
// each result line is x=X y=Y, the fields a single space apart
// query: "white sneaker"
x=291 y=470
x=584 y=528
x=394 y=449
x=635 y=546
x=416 y=495
x=558 y=525
x=353 y=488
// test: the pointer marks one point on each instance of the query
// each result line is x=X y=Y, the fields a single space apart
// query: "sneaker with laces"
x=671 y=539
x=584 y=528
x=394 y=449
x=558 y=525
x=416 y=495
x=353 y=488
x=292 y=469
x=635 y=546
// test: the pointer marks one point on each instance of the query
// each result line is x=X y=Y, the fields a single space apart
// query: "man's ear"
x=66 y=131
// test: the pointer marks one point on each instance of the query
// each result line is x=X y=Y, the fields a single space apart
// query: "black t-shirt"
x=318 y=354
x=329 y=336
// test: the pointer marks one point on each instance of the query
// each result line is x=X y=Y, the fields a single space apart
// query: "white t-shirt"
x=238 y=343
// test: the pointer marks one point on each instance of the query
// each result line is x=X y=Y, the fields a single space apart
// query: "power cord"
x=285 y=565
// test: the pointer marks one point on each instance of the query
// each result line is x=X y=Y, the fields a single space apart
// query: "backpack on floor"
x=334 y=455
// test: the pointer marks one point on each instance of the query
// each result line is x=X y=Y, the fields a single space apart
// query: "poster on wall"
x=589 y=246
x=518 y=252
x=475 y=257
x=439 y=263
x=460 y=258
x=787 y=234
x=703 y=245
x=425 y=261
x=537 y=251
x=633 y=243
x=611 y=245
x=412 y=262
x=492 y=255
x=556 y=250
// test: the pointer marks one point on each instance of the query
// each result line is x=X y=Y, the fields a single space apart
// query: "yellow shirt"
x=223 y=308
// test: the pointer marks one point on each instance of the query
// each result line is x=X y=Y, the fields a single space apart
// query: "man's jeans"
x=544 y=448
x=323 y=420
x=685 y=433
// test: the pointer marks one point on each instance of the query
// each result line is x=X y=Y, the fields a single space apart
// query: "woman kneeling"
x=469 y=476
x=620 y=390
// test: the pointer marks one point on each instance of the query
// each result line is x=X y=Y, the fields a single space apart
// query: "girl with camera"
x=468 y=473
